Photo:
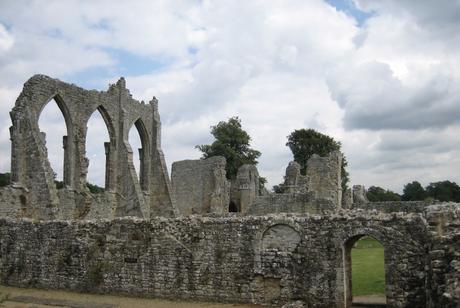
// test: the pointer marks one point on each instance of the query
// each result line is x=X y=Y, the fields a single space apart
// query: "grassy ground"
x=368 y=276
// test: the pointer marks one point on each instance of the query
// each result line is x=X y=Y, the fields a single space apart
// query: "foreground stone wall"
x=394 y=206
x=444 y=255
x=265 y=259
x=290 y=203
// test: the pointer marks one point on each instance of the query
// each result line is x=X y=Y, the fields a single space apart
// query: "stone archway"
x=347 y=259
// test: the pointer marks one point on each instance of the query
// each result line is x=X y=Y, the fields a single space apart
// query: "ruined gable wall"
x=268 y=259
x=31 y=169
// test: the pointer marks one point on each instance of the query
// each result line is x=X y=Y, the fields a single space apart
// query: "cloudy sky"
x=382 y=77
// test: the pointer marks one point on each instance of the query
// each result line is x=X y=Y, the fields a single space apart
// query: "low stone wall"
x=394 y=206
x=289 y=203
x=259 y=259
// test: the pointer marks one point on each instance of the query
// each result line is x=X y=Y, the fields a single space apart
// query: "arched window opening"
x=365 y=271
x=97 y=146
x=136 y=145
x=53 y=127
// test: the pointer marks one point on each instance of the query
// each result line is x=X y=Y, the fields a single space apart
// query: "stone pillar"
x=359 y=194
x=247 y=179
x=15 y=158
x=108 y=180
x=347 y=200
x=66 y=167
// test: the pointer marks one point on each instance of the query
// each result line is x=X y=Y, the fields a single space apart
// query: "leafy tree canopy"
x=413 y=192
x=231 y=142
x=306 y=142
x=376 y=193
x=444 y=191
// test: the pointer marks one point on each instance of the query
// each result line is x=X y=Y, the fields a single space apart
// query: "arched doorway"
x=365 y=283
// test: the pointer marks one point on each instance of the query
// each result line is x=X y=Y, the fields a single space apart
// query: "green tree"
x=413 y=192
x=444 y=191
x=5 y=179
x=376 y=194
x=93 y=188
x=306 y=142
x=231 y=142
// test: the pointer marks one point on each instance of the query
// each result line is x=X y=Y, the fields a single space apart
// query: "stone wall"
x=444 y=255
x=143 y=196
x=393 y=206
x=13 y=200
x=266 y=259
x=200 y=186
x=290 y=203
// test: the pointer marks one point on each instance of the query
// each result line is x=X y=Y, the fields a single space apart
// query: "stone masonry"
x=126 y=194
x=145 y=236
x=200 y=186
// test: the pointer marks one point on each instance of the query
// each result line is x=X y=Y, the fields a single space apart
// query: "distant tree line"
x=5 y=181
x=414 y=191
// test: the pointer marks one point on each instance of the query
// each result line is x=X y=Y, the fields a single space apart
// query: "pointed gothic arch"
x=109 y=148
x=144 y=153
x=67 y=139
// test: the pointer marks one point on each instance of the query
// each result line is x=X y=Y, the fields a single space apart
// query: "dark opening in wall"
x=232 y=207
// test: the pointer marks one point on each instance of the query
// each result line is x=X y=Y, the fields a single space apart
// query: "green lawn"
x=368 y=276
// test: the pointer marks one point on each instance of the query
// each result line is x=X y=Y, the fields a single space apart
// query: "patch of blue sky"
x=8 y=26
x=349 y=8
x=126 y=64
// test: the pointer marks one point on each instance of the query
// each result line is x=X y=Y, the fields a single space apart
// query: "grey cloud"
x=441 y=17
x=373 y=98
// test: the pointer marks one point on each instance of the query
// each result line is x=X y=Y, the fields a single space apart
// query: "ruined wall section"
x=161 y=193
x=269 y=259
x=294 y=182
x=31 y=169
x=200 y=186
x=324 y=177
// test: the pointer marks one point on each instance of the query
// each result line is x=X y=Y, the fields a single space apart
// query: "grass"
x=368 y=276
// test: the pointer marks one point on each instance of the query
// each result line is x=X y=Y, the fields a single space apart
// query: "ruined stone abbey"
x=195 y=235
